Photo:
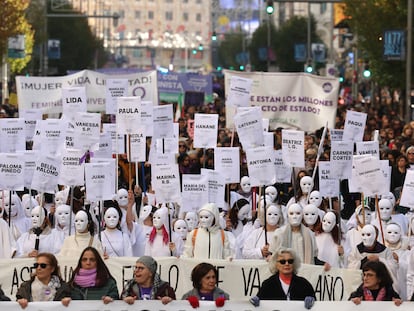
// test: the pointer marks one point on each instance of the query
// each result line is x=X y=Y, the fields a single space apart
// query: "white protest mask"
x=295 y=214
x=144 y=212
x=160 y=217
x=181 y=228
x=368 y=215
x=13 y=208
x=245 y=184
x=60 y=198
x=393 y=233
x=63 y=215
x=306 y=184
x=390 y=196
x=328 y=222
x=310 y=214
x=271 y=192
x=368 y=235
x=28 y=204
x=205 y=219
x=122 y=197
x=385 y=207
x=192 y=220
x=273 y=214
x=38 y=216
x=81 y=222
x=243 y=212
x=315 y=198
x=111 y=218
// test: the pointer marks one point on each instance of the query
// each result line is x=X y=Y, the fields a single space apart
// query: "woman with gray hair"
x=284 y=284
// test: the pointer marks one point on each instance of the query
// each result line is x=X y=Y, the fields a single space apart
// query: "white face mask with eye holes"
x=295 y=215
x=328 y=222
x=368 y=235
x=273 y=214
x=111 y=218
x=310 y=214
x=393 y=233
x=205 y=219
x=81 y=222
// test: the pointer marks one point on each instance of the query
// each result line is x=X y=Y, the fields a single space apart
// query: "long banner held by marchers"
x=45 y=93
x=240 y=278
x=290 y=100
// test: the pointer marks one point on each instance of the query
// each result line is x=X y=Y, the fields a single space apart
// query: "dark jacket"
x=96 y=293
x=389 y=293
x=299 y=288
x=218 y=292
x=161 y=289
x=25 y=291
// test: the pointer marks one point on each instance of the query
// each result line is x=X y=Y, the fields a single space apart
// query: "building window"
x=199 y=1
x=198 y=17
x=169 y=16
x=323 y=8
x=122 y=14
x=185 y=17
x=150 y=14
x=137 y=14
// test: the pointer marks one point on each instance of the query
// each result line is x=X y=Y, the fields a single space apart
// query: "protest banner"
x=11 y=171
x=328 y=186
x=86 y=131
x=50 y=140
x=46 y=174
x=227 y=162
x=354 y=125
x=368 y=147
x=166 y=183
x=12 y=135
x=289 y=100
x=205 y=130
x=407 y=195
x=71 y=168
x=99 y=181
x=29 y=157
x=238 y=94
x=240 y=278
x=45 y=93
x=249 y=127
x=216 y=187
x=114 y=88
x=128 y=115
x=105 y=146
x=293 y=148
x=341 y=159
x=283 y=171
x=163 y=121
x=194 y=190
x=73 y=100
x=30 y=116
x=261 y=166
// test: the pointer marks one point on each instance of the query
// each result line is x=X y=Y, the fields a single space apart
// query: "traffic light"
x=214 y=36
x=200 y=47
x=367 y=72
x=308 y=66
x=270 y=7
x=241 y=67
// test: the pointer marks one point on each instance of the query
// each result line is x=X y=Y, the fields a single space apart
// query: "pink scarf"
x=86 y=277
x=368 y=295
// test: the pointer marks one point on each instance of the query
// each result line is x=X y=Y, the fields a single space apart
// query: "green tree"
x=229 y=48
x=369 y=19
x=13 y=22
x=258 y=46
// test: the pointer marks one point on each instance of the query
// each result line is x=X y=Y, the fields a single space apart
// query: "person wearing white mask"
x=114 y=241
x=28 y=203
x=209 y=240
x=255 y=246
x=398 y=244
x=316 y=199
x=244 y=192
x=63 y=221
x=163 y=241
x=296 y=235
x=371 y=250
x=192 y=220
x=84 y=236
x=181 y=228
x=8 y=243
x=39 y=239
x=311 y=218
x=328 y=241
x=386 y=212
x=15 y=215
x=359 y=219
x=135 y=231
x=271 y=191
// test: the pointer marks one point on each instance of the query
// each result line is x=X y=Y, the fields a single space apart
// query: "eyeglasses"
x=284 y=261
x=183 y=146
x=370 y=275
x=41 y=265
x=88 y=259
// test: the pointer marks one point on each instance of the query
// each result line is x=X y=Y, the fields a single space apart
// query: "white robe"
x=26 y=243
x=328 y=250
x=74 y=245
x=252 y=248
x=159 y=249
x=8 y=244
x=116 y=243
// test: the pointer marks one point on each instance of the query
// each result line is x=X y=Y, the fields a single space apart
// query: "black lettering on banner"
x=177 y=275
x=329 y=288
x=124 y=280
x=253 y=281
x=67 y=273
x=218 y=268
x=17 y=277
